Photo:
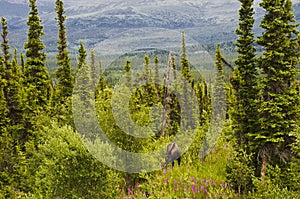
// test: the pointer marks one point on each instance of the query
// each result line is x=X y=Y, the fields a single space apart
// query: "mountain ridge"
x=102 y=23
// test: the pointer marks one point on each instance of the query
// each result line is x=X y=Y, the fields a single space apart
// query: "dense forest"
x=77 y=133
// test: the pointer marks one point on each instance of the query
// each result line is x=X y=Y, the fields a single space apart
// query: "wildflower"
x=129 y=191
x=205 y=191
x=194 y=188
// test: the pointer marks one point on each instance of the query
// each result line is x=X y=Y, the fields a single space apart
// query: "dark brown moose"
x=173 y=153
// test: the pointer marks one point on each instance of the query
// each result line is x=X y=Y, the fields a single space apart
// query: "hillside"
x=109 y=26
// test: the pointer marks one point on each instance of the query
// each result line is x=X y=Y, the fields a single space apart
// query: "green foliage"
x=65 y=85
x=240 y=171
x=36 y=78
x=4 y=44
x=63 y=90
x=294 y=174
x=147 y=70
x=81 y=56
x=93 y=67
x=185 y=66
x=219 y=95
x=270 y=186
x=279 y=106
x=200 y=180
x=101 y=85
x=11 y=81
x=4 y=120
x=42 y=156
x=244 y=80
x=65 y=169
x=83 y=97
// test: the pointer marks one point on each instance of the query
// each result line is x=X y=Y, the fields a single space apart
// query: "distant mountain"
x=118 y=25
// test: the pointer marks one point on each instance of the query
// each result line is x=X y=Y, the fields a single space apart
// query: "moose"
x=172 y=154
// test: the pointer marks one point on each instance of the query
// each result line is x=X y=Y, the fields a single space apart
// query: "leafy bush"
x=63 y=168
x=271 y=186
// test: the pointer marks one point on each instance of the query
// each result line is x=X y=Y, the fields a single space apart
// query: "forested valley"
x=238 y=132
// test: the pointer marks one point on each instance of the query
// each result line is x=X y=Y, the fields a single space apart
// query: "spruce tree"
x=15 y=55
x=4 y=44
x=63 y=74
x=188 y=83
x=36 y=78
x=157 y=79
x=93 y=67
x=22 y=62
x=82 y=56
x=4 y=120
x=128 y=73
x=279 y=108
x=185 y=66
x=5 y=139
x=219 y=97
x=245 y=81
x=101 y=85
x=11 y=74
x=218 y=103
x=147 y=70
x=245 y=107
x=14 y=95
x=84 y=94
x=156 y=68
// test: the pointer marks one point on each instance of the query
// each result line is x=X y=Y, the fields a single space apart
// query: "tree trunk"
x=264 y=165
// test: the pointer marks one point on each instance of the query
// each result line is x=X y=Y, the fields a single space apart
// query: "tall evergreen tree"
x=101 y=85
x=84 y=93
x=22 y=62
x=279 y=109
x=4 y=44
x=188 y=84
x=128 y=73
x=36 y=77
x=219 y=97
x=245 y=107
x=185 y=66
x=15 y=55
x=245 y=81
x=156 y=69
x=10 y=117
x=4 y=120
x=93 y=67
x=11 y=74
x=82 y=56
x=63 y=74
x=147 y=70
